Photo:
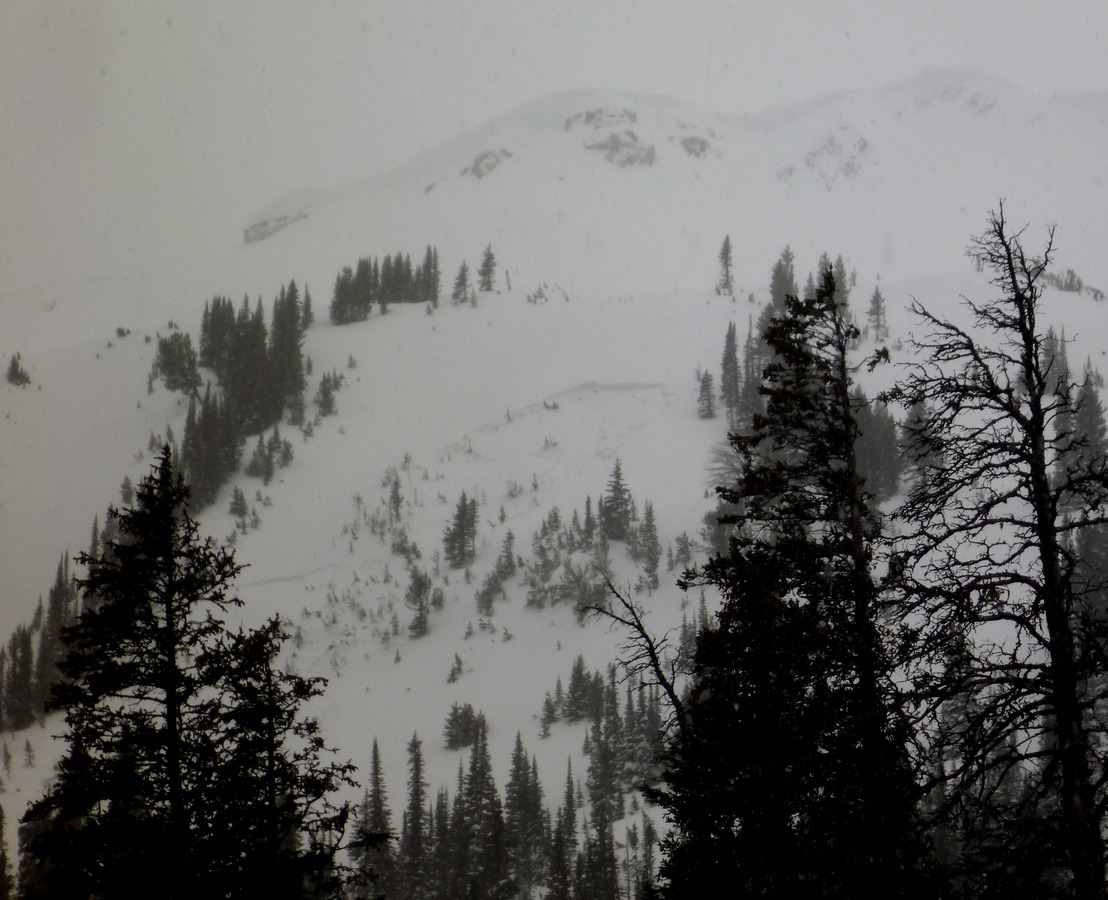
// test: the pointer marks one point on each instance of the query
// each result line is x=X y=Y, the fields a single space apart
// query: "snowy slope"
x=897 y=180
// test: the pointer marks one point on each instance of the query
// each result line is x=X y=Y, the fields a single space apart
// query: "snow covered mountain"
x=614 y=205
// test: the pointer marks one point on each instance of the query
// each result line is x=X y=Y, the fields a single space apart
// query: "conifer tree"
x=650 y=550
x=17 y=375
x=307 y=316
x=726 y=283
x=175 y=362
x=178 y=769
x=460 y=539
x=705 y=401
x=878 y=320
x=61 y=612
x=782 y=284
x=286 y=363
x=730 y=376
x=418 y=600
x=797 y=672
x=411 y=858
x=486 y=272
x=371 y=848
x=7 y=883
x=615 y=516
x=460 y=293
x=343 y=304
x=19 y=697
x=523 y=819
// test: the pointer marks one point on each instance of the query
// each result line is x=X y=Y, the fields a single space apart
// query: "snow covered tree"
x=286 y=362
x=460 y=293
x=726 y=283
x=730 y=376
x=615 y=515
x=418 y=600
x=460 y=538
x=876 y=314
x=17 y=375
x=706 y=399
x=371 y=848
x=175 y=362
x=412 y=855
x=650 y=550
x=486 y=272
x=782 y=283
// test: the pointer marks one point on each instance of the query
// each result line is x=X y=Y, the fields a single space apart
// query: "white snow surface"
x=897 y=180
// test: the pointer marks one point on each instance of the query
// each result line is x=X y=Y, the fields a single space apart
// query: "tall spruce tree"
x=486 y=272
x=412 y=855
x=726 y=283
x=819 y=800
x=616 y=513
x=460 y=293
x=730 y=376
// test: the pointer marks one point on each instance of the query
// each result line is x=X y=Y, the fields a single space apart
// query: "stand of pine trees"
x=383 y=282
x=480 y=842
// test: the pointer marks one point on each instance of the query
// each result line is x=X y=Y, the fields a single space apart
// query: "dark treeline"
x=381 y=282
x=481 y=843
x=29 y=662
x=260 y=374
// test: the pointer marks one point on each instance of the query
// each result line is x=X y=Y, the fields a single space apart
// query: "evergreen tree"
x=371 y=848
x=751 y=401
x=61 y=612
x=343 y=309
x=246 y=383
x=726 y=283
x=19 y=694
x=175 y=362
x=460 y=539
x=615 y=516
x=822 y=780
x=730 y=376
x=879 y=462
x=705 y=401
x=325 y=395
x=178 y=769
x=782 y=284
x=650 y=550
x=487 y=871
x=307 y=316
x=486 y=272
x=523 y=819
x=460 y=293
x=286 y=363
x=7 y=883
x=418 y=600
x=411 y=859
x=17 y=375
x=878 y=321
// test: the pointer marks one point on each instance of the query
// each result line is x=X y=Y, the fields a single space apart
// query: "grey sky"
x=141 y=129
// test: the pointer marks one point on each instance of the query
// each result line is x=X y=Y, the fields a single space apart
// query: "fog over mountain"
x=606 y=211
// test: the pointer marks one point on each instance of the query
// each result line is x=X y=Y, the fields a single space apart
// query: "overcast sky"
x=133 y=128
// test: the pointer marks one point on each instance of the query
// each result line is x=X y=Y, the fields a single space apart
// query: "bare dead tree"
x=1007 y=670
x=644 y=654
